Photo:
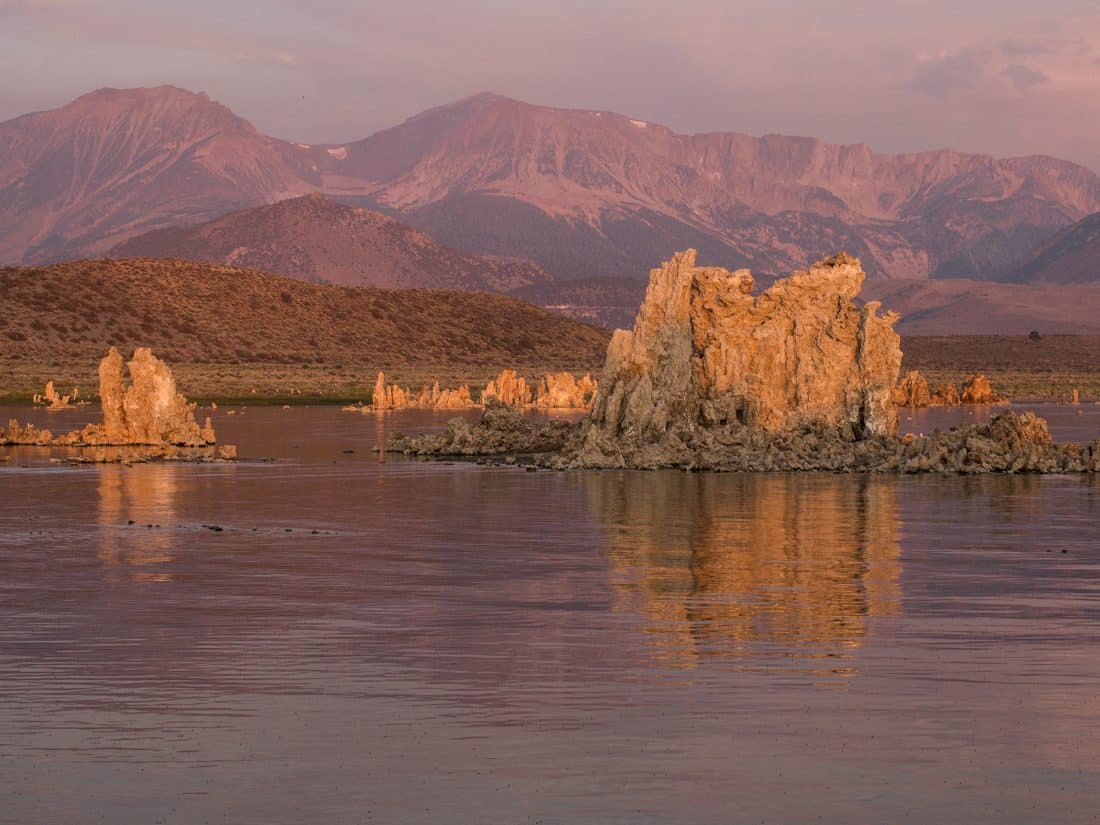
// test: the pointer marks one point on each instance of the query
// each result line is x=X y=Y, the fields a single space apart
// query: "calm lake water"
x=415 y=642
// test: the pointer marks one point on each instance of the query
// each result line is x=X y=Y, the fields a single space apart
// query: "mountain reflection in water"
x=751 y=565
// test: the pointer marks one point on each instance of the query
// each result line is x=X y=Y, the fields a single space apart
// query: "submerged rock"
x=150 y=454
x=707 y=359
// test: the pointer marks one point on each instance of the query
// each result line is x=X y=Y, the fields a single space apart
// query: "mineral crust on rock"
x=501 y=430
x=708 y=361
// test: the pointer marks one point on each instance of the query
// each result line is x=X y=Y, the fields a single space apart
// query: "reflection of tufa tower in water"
x=751 y=565
x=146 y=494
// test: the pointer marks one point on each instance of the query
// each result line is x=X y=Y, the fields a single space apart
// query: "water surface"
x=405 y=641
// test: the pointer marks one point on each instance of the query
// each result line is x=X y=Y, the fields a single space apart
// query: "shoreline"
x=1013 y=367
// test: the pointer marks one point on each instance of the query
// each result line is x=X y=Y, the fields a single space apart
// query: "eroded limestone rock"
x=708 y=358
x=946 y=396
x=24 y=434
x=393 y=397
x=560 y=390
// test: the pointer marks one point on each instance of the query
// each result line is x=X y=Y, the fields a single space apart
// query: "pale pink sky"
x=997 y=76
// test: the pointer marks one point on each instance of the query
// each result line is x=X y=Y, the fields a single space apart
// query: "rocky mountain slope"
x=581 y=193
x=595 y=193
x=189 y=312
x=312 y=238
x=1072 y=256
x=114 y=163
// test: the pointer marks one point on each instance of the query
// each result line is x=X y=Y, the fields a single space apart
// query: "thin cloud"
x=953 y=72
x=1022 y=48
x=1024 y=78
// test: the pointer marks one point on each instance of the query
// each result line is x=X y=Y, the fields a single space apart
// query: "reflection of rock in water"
x=751 y=564
x=146 y=495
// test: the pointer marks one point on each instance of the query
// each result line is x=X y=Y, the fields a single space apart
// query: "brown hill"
x=581 y=193
x=315 y=239
x=1072 y=256
x=201 y=312
x=113 y=163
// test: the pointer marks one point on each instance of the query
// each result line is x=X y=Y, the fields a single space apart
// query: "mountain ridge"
x=580 y=192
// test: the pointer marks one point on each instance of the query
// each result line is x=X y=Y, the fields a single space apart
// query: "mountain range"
x=574 y=206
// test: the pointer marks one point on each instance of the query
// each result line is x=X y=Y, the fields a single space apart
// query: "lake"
x=315 y=635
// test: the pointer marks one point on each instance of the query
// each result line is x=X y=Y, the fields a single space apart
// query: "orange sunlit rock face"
x=557 y=390
x=706 y=354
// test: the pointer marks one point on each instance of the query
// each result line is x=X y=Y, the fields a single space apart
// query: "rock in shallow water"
x=147 y=413
x=798 y=378
x=501 y=430
x=706 y=356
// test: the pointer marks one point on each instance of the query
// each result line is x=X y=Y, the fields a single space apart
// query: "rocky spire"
x=706 y=355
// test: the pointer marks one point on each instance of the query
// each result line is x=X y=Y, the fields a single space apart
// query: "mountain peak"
x=109 y=98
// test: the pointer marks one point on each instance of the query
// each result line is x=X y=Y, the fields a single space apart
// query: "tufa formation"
x=149 y=412
x=55 y=400
x=913 y=391
x=707 y=359
x=558 y=391
x=797 y=378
